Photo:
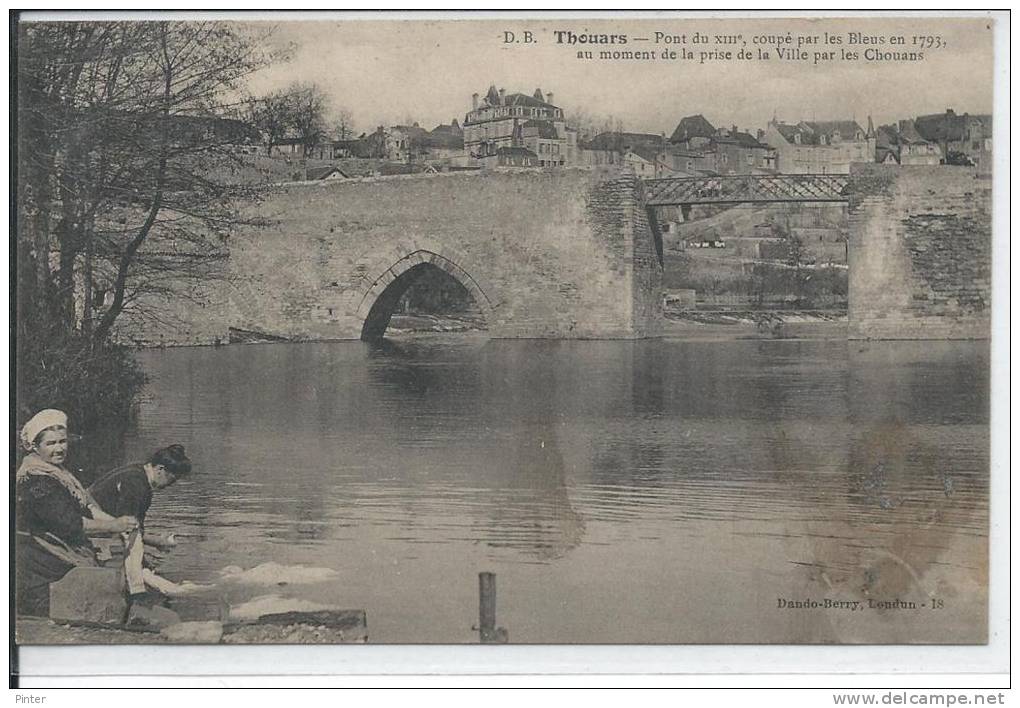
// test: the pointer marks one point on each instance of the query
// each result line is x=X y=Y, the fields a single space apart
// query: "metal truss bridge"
x=738 y=189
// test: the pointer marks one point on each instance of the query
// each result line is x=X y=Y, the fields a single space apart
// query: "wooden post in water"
x=487 y=630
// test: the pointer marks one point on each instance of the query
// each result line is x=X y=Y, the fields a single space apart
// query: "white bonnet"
x=48 y=418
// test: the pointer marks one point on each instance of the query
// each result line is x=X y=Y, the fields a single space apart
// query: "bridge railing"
x=735 y=189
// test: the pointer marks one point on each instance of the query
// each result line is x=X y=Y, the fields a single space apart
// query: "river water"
x=644 y=491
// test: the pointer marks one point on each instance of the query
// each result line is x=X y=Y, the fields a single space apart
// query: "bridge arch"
x=380 y=298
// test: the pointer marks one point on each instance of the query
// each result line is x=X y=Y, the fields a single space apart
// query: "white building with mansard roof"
x=500 y=120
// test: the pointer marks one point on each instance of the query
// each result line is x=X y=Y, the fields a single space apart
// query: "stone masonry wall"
x=920 y=253
x=557 y=253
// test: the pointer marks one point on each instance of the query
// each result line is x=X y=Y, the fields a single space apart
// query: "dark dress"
x=50 y=540
x=124 y=491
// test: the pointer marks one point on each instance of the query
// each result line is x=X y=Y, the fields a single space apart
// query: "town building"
x=698 y=147
x=325 y=173
x=693 y=133
x=518 y=120
x=510 y=156
x=288 y=148
x=959 y=136
x=444 y=145
x=901 y=144
x=820 y=147
x=639 y=152
x=643 y=162
x=405 y=143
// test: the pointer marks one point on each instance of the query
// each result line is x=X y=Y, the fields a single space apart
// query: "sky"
x=385 y=72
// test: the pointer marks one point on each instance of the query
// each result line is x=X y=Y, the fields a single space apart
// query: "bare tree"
x=123 y=130
x=590 y=124
x=272 y=115
x=343 y=124
x=310 y=111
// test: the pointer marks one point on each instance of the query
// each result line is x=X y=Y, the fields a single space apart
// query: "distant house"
x=739 y=152
x=690 y=163
x=620 y=142
x=638 y=151
x=443 y=145
x=698 y=147
x=406 y=143
x=964 y=135
x=901 y=144
x=510 y=157
x=693 y=133
x=499 y=120
x=373 y=145
x=820 y=147
x=294 y=147
x=347 y=148
x=554 y=145
x=315 y=174
x=641 y=161
x=288 y=147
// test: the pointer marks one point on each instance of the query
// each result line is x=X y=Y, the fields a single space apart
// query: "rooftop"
x=951 y=126
x=620 y=141
x=811 y=132
x=544 y=128
x=696 y=126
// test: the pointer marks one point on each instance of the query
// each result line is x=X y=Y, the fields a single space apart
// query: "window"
x=750 y=158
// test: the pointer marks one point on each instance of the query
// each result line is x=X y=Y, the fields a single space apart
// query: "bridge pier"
x=920 y=253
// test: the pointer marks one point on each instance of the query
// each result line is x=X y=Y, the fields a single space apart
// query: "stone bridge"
x=559 y=253
x=565 y=253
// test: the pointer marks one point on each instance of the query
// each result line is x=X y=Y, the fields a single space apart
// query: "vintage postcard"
x=460 y=330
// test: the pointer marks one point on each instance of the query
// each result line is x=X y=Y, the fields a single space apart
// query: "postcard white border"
x=882 y=665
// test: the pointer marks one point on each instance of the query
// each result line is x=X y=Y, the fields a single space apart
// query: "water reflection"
x=699 y=479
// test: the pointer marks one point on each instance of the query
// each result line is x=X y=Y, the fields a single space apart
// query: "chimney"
x=549 y=98
x=454 y=123
x=761 y=135
x=474 y=102
x=733 y=129
x=502 y=96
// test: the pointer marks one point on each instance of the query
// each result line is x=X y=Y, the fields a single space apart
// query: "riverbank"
x=324 y=627
x=686 y=324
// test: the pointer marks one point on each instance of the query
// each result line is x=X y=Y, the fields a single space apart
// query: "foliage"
x=302 y=111
x=122 y=127
x=795 y=250
x=58 y=369
x=589 y=124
